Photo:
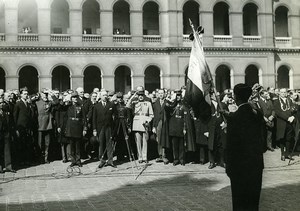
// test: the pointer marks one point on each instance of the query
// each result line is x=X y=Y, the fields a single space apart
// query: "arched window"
x=250 y=19
x=123 y=79
x=91 y=17
x=190 y=11
x=283 y=78
x=92 y=78
x=281 y=22
x=2 y=17
x=152 y=78
x=2 y=79
x=60 y=22
x=27 y=17
x=222 y=78
x=221 y=19
x=150 y=19
x=28 y=76
x=251 y=75
x=61 y=78
x=121 y=18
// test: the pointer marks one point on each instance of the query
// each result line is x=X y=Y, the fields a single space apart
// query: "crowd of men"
x=73 y=126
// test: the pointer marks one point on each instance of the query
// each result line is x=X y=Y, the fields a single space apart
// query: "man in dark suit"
x=158 y=110
x=102 y=127
x=245 y=148
x=22 y=118
x=266 y=106
x=285 y=133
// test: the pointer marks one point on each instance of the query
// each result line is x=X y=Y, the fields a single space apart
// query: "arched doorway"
x=61 y=78
x=221 y=19
x=92 y=78
x=150 y=19
x=281 y=22
x=222 y=78
x=60 y=17
x=121 y=17
x=190 y=11
x=91 y=17
x=283 y=77
x=152 y=78
x=251 y=75
x=27 y=17
x=123 y=79
x=2 y=79
x=250 y=20
x=28 y=76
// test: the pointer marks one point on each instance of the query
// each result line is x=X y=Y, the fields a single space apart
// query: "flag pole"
x=210 y=75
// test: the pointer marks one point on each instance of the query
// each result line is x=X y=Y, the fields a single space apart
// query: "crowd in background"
x=113 y=128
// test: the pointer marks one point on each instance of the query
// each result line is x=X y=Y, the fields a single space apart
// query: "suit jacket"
x=283 y=112
x=158 y=111
x=22 y=115
x=245 y=141
x=103 y=116
x=44 y=115
x=266 y=107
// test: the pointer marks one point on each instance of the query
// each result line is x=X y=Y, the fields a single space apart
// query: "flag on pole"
x=199 y=82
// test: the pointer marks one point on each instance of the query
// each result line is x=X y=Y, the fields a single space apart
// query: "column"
x=76 y=25
x=136 y=26
x=12 y=82
x=207 y=21
x=108 y=82
x=137 y=80
x=165 y=27
x=45 y=81
x=294 y=20
x=291 y=79
x=236 y=27
x=106 y=25
x=76 y=81
x=11 y=23
x=180 y=29
x=44 y=26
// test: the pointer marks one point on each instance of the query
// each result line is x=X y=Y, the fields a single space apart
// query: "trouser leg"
x=109 y=145
x=101 y=144
x=63 y=152
x=7 y=151
x=73 y=150
x=145 y=146
x=202 y=154
x=175 y=143
x=77 y=153
x=138 y=139
x=47 y=144
x=211 y=156
x=181 y=152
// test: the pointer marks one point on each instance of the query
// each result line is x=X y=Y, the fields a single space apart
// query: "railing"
x=2 y=37
x=28 y=37
x=152 y=38
x=251 y=39
x=222 y=38
x=121 y=38
x=60 y=38
x=186 y=38
x=91 y=38
x=283 y=40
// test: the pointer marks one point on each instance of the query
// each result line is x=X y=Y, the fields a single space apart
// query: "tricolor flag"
x=199 y=83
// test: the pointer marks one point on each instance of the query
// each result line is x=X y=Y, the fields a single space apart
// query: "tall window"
x=250 y=19
x=281 y=22
x=150 y=19
x=92 y=78
x=221 y=19
x=190 y=11
x=123 y=79
x=60 y=22
x=283 y=78
x=27 y=17
x=61 y=78
x=2 y=79
x=152 y=78
x=28 y=76
x=121 y=18
x=91 y=17
x=251 y=75
x=222 y=78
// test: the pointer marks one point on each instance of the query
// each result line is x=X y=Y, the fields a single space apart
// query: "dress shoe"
x=140 y=161
x=201 y=162
x=72 y=164
x=283 y=158
x=211 y=166
x=166 y=161
x=175 y=163
x=111 y=165
x=158 y=160
x=289 y=157
x=101 y=165
x=182 y=163
x=271 y=149
x=64 y=161
x=10 y=170
x=79 y=165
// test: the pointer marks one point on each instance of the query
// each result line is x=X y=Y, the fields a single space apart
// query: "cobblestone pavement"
x=159 y=187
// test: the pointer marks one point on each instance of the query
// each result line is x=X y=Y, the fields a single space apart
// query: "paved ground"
x=159 y=187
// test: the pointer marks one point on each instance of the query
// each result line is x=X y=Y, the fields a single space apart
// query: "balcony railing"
x=283 y=40
x=28 y=37
x=152 y=38
x=186 y=38
x=60 y=38
x=122 y=38
x=251 y=39
x=91 y=38
x=222 y=38
x=2 y=37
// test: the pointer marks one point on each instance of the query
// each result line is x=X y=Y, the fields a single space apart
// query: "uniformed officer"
x=75 y=128
x=143 y=114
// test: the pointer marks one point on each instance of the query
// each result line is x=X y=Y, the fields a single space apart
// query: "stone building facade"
x=120 y=44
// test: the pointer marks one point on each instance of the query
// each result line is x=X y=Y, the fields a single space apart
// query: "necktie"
x=104 y=104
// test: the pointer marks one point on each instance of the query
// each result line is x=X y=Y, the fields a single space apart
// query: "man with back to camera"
x=245 y=148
